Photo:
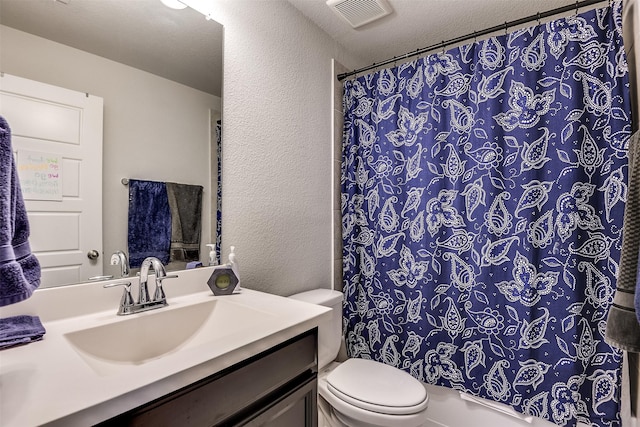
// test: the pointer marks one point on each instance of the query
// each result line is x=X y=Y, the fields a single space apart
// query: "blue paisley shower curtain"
x=483 y=191
x=218 y=226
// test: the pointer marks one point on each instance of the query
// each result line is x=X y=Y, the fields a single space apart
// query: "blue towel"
x=20 y=330
x=149 y=230
x=19 y=268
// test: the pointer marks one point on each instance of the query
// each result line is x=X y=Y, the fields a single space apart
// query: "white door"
x=57 y=140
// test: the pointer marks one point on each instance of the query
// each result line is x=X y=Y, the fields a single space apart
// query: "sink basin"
x=144 y=337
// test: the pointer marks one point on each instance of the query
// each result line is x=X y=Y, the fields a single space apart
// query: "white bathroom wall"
x=336 y=143
x=154 y=128
x=277 y=152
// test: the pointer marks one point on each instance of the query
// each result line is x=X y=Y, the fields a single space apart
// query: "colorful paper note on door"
x=40 y=175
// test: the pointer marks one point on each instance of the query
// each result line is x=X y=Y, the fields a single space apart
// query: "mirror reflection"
x=158 y=74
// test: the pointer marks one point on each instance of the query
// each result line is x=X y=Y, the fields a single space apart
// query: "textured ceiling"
x=415 y=24
x=180 y=45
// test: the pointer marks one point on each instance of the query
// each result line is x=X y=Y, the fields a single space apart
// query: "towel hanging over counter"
x=19 y=268
x=185 y=203
x=19 y=330
x=149 y=229
x=623 y=327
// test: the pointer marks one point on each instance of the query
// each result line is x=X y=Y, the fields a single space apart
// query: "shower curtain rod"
x=476 y=34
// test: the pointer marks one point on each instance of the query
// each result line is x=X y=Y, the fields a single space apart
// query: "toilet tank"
x=329 y=330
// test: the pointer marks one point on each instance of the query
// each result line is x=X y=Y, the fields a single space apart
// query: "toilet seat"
x=376 y=387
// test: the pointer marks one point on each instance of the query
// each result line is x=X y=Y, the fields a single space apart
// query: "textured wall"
x=338 y=126
x=277 y=153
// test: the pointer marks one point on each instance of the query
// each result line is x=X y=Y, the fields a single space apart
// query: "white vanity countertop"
x=48 y=382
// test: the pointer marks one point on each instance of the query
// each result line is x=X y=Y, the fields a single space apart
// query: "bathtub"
x=451 y=408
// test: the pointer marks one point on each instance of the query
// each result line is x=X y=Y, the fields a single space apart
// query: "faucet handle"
x=126 y=302
x=159 y=294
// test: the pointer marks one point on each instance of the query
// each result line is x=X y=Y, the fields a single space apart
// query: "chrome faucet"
x=161 y=274
x=127 y=304
x=119 y=257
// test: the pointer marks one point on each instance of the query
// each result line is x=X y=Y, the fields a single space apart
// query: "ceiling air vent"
x=360 y=12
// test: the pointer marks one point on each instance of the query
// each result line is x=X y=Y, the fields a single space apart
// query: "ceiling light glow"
x=174 y=4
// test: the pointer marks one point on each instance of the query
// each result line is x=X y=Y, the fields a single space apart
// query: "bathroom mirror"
x=159 y=72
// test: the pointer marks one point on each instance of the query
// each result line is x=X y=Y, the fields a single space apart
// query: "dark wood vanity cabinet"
x=276 y=388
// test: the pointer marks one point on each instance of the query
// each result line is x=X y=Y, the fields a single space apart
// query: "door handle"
x=93 y=254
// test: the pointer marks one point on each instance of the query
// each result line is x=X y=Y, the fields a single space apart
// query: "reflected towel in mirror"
x=185 y=203
x=149 y=227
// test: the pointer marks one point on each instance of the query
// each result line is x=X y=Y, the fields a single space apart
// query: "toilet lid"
x=377 y=387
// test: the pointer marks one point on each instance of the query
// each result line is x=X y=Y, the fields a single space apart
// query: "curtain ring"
x=538 y=18
x=443 y=46
x=475 y=37
x=506 y=26
x=576 y=7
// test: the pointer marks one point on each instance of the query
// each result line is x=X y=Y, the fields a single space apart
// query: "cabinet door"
x=295 y=409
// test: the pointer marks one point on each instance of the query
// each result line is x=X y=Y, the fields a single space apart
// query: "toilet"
x=360 y=392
